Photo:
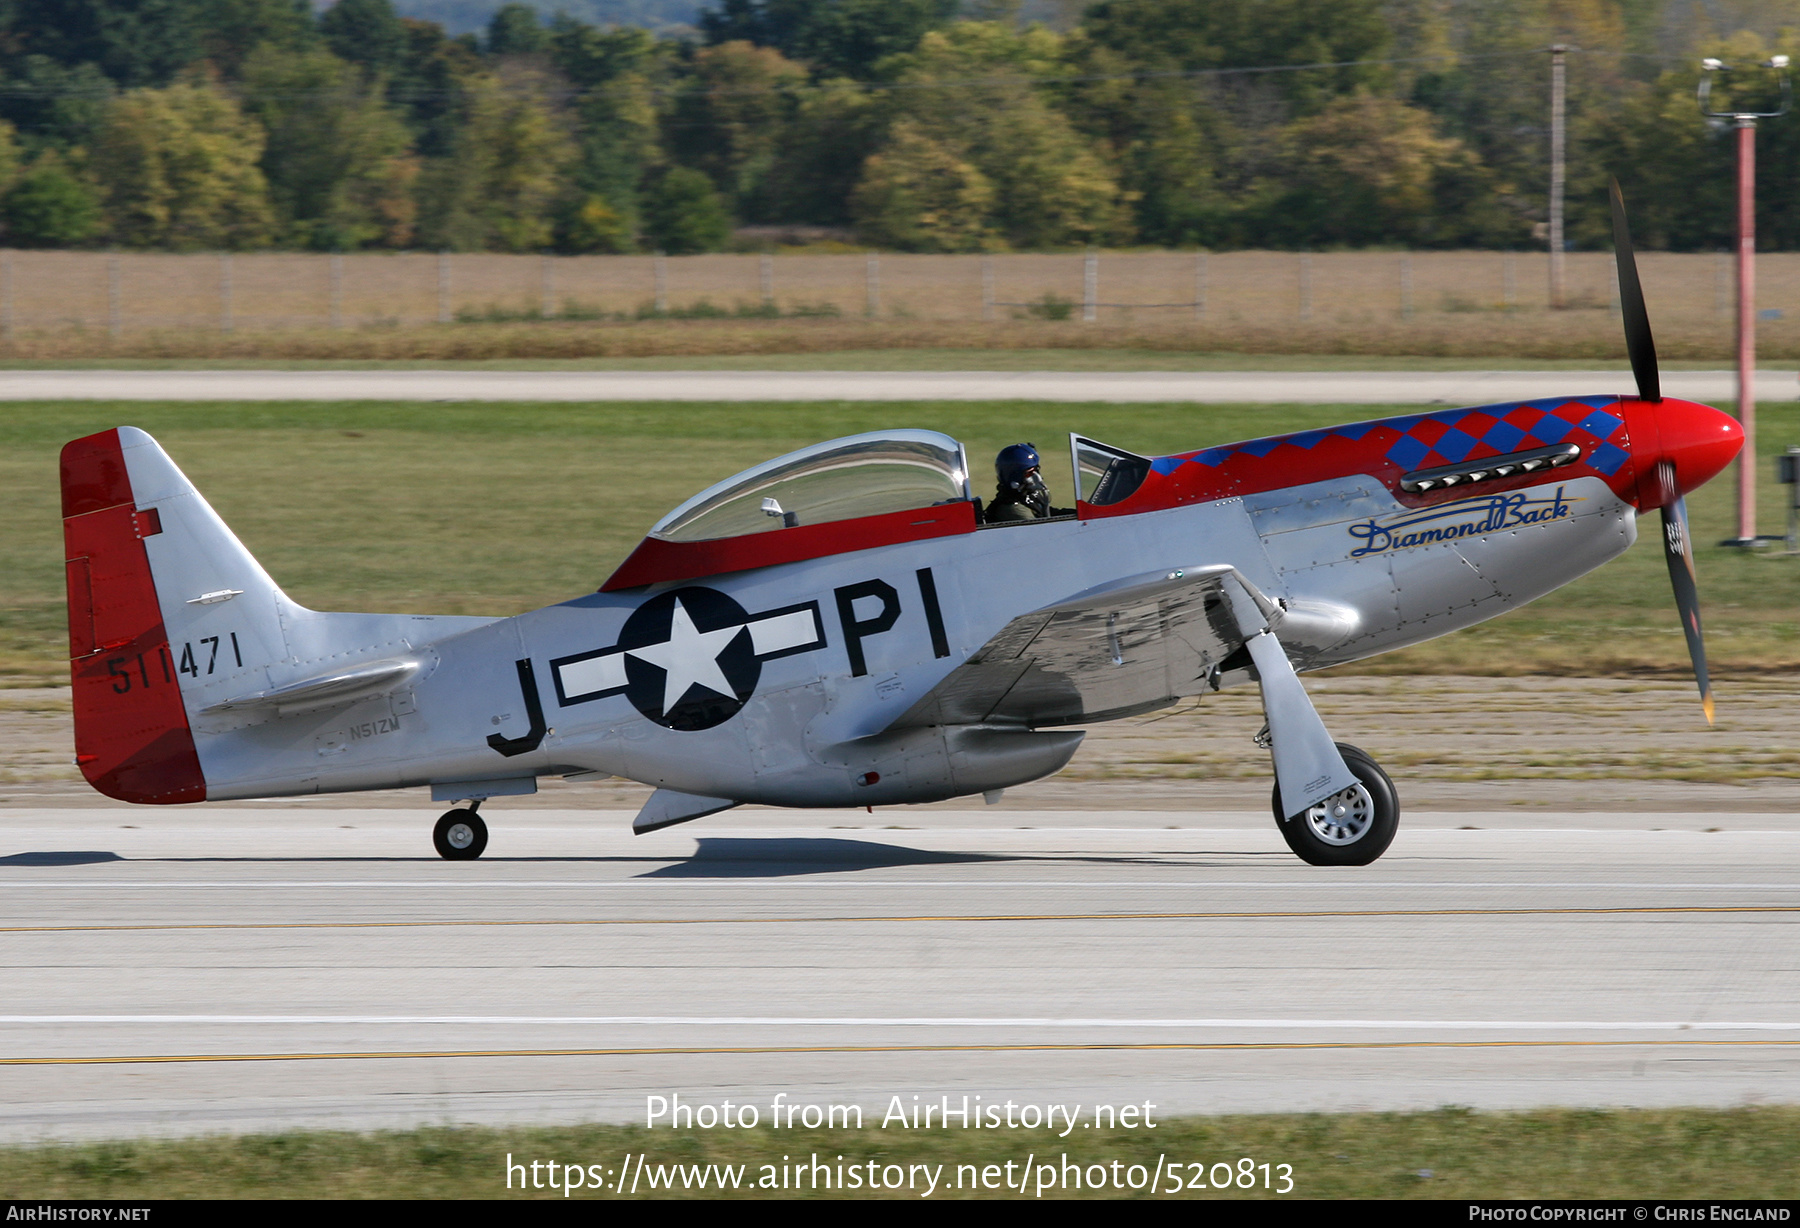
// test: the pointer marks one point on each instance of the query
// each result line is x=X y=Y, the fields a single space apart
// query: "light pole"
x=1558 y=97
x=1745 y=123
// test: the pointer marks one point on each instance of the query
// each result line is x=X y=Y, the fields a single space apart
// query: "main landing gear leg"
x=460 y=835
x=1350 y=828
x=1344 y=809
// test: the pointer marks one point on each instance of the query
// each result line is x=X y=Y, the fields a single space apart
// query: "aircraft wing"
x=1130 y=646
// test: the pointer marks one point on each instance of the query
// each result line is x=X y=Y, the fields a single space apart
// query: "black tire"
x=460 y=835
x=1311 y=836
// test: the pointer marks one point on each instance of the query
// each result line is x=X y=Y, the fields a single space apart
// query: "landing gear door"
x=1105 y=474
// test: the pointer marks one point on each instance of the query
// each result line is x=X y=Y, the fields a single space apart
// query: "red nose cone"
x=1697 y=440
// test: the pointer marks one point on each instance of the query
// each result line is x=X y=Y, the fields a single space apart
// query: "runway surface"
x=200 y=970
x=1344 y=387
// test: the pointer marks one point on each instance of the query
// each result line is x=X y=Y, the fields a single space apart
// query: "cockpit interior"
x=874 y=474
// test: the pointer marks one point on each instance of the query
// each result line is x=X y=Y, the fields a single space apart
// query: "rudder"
x=132 y=738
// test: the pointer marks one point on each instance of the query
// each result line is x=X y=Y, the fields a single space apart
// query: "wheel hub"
x=460 y=835
x=1343 y=818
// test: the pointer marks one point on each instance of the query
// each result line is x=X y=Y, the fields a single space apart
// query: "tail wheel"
x=460 y=835
x=1351 y=828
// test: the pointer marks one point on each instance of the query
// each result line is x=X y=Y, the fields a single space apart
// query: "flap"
x=1134 y=645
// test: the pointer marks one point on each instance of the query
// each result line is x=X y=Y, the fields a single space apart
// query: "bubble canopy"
x=841 y=479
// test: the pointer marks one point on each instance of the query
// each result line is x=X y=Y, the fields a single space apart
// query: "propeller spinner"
x=1695 y=442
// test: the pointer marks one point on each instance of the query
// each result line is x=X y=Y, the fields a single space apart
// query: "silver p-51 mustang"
x=843 y=626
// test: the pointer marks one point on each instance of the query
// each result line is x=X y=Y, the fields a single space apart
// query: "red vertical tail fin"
x=132 y=739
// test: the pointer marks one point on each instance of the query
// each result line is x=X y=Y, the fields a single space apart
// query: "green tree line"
x=915 y=125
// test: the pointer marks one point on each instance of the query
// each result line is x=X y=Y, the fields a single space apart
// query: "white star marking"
x=688 y=657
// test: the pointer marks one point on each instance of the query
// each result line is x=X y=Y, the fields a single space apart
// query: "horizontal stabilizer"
x=339 y=686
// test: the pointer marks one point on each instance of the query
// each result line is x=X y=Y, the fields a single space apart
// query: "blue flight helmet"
x=1014 y=463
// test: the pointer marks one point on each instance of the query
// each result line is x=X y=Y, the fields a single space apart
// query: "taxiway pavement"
x=1337 y=387
x=218 y=969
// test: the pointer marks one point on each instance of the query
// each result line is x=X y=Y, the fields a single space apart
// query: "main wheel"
x=1351 y=828
x=460 y=835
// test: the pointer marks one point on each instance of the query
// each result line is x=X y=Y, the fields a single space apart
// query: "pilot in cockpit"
x=1020 y=493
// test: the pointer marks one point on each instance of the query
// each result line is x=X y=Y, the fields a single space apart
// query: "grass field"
x=1446 y=1154
x=496 y=509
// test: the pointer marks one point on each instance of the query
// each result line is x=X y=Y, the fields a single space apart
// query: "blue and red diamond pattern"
x=1452 y=436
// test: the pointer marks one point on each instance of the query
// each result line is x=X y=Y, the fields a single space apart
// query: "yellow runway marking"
x=752 y=1050
x=1292 y=914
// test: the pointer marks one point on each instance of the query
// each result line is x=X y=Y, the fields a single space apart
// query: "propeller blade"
x=1679 y=554
x=1677 y=538
x=1638 y=342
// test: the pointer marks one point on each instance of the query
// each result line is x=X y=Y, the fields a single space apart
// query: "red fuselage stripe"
x=656 y=560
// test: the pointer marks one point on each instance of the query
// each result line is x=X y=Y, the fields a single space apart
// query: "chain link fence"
x=51 y=292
